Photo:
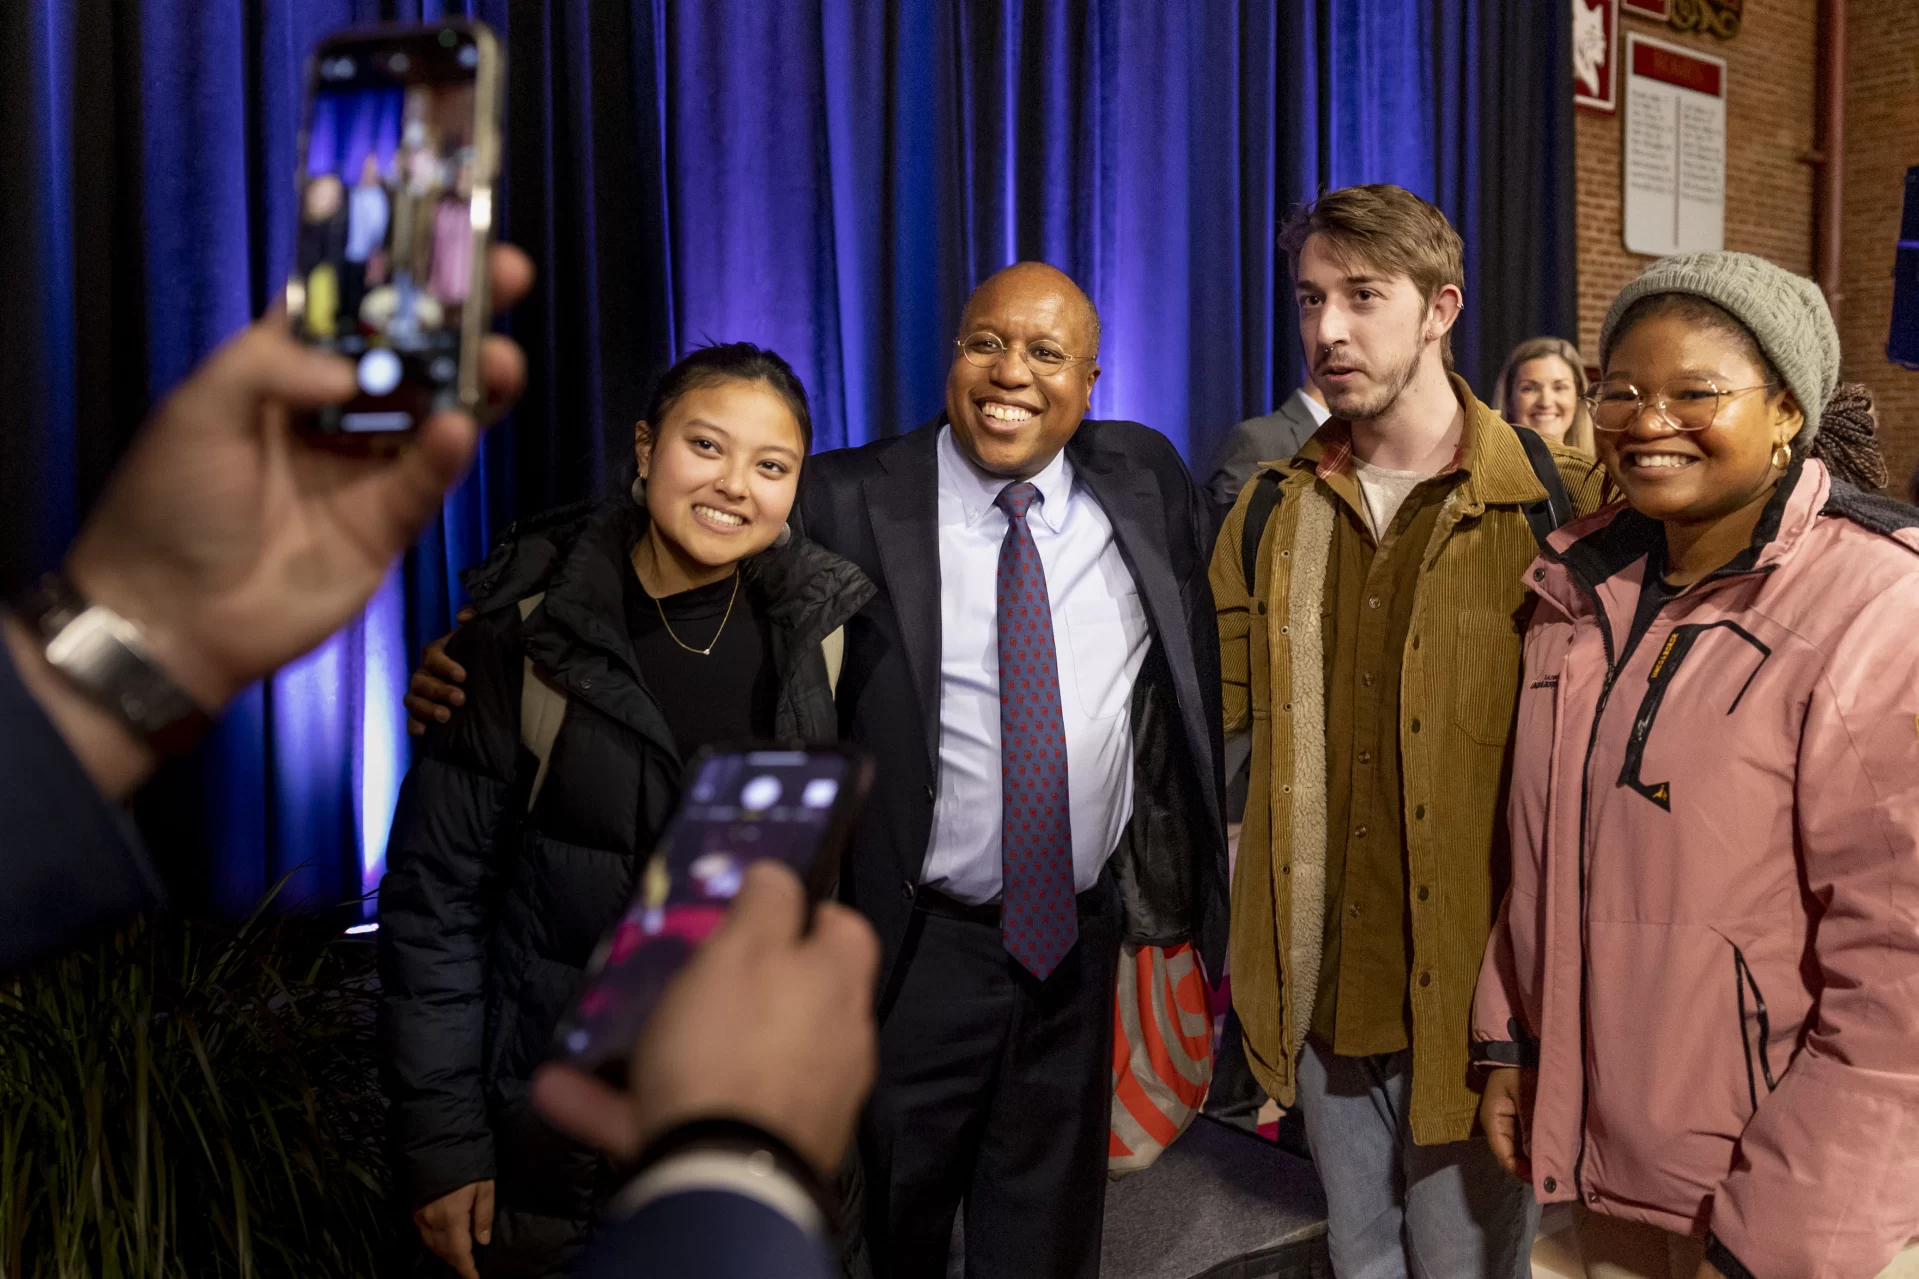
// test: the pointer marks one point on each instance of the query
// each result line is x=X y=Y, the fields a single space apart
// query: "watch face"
x=101 y=653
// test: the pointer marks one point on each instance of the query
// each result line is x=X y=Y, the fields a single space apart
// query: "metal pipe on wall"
x=1829 y=159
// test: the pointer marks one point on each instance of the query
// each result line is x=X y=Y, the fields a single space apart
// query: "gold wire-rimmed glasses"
x=1044 y=356
x=1689 y=404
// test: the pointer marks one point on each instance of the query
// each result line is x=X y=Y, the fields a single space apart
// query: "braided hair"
x=1848 y=439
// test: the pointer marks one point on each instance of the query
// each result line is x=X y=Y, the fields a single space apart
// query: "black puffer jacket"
x=488 y=913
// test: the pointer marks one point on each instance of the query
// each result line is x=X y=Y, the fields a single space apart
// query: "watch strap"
x=104 y=655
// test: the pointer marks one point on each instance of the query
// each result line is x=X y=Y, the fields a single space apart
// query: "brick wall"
x=1771 y=75
x=1882 y=140
x=1771 y=115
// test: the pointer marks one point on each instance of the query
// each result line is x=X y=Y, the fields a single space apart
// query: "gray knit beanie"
x=1786 y=313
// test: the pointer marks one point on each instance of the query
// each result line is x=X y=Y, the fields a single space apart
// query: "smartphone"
x=743 y=804
x=399 y=158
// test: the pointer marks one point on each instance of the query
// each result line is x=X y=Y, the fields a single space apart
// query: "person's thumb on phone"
x=769 y=911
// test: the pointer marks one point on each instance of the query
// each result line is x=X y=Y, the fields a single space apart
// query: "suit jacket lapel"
x=903 y=506
x=1131 y=498
x=1304 y=423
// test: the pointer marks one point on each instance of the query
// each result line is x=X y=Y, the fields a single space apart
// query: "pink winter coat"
x=1712 y=936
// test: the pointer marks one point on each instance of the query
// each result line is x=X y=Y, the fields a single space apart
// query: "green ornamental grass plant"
x=195 y=1100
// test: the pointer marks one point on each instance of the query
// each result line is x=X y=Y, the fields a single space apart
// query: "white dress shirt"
x=1100 y=636
x=1321 y=414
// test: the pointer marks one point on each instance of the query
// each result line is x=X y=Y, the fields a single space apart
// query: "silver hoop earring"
x=784 y=536
x=639 y=491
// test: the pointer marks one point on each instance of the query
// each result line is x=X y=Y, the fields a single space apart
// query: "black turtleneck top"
x=727 y=695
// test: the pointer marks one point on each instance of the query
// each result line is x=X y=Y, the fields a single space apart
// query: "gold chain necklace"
x=708 y=650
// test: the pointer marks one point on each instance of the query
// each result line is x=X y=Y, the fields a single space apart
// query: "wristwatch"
x=105 y=656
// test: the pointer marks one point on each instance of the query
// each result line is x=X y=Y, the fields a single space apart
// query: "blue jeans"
x=1395 y=1209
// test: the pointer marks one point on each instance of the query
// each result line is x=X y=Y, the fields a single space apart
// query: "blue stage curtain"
x=826 y=178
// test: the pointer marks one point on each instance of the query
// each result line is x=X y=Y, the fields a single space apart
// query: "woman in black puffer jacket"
x=683 y=616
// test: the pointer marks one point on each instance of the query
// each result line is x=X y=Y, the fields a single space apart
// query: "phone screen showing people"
x=394 y=181
x=742 y=807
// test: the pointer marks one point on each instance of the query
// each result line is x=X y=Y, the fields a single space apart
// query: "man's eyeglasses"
x=1690 y=404
x=1044 y=357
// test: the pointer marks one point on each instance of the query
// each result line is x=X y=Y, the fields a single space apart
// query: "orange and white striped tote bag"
x=1162 y=1052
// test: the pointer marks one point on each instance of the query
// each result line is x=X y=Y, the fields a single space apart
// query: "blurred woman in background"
x=1543 y=386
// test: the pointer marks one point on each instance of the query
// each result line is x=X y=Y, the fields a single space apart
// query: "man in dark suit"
x=1037 y=678
x=1269 y=436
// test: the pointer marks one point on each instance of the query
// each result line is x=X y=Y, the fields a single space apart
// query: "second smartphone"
x=744 y=804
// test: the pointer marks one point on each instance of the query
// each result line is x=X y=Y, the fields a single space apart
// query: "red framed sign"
x=1660 y=9
x=1596 y=54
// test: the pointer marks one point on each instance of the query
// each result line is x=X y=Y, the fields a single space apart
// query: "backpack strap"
x=1259 y=510
x=833 y=647
x=542 y=710
x=1557 y=506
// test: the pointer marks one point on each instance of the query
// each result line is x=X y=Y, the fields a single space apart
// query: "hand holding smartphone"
x=399 y=162
x=743 y=805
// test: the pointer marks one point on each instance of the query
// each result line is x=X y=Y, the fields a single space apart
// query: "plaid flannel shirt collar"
x=1330 y=451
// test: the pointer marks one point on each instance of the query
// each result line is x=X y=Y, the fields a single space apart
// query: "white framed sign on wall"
x=1674 y=149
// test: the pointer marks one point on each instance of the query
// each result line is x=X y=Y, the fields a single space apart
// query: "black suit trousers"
x=994 y=1088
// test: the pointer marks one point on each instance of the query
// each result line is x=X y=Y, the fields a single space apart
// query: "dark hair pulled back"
x=732 y=362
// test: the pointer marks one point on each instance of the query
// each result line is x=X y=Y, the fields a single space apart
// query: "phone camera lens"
x=380 y=371
x=760 y=794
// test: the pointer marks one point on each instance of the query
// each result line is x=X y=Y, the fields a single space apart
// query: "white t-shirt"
x=1383 y=492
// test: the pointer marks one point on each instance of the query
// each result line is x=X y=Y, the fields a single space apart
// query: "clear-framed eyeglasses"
x=1688 y=404
x=1044 y=356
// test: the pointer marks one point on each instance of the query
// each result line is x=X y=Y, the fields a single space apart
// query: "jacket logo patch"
x=1658 y=681
x=1544 y=681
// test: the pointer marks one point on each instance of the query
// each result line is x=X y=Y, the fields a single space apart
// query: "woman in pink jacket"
x=1700 y=1005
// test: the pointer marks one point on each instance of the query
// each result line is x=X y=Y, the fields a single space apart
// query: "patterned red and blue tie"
x=1039 y=921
